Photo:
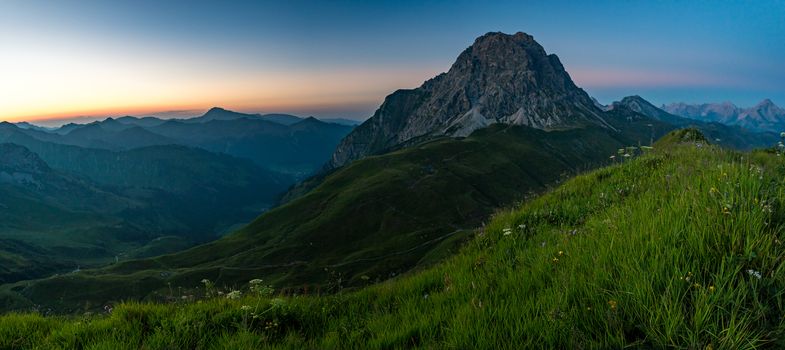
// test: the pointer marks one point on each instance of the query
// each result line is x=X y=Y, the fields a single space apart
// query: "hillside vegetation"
x=65 y=208
x=367 y=222
x=680 y=246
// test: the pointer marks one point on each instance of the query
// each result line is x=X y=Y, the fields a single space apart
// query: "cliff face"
x=501 y=78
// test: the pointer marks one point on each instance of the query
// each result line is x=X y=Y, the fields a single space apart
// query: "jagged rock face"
x=501 y=78
x=712 y=112
x=765 y=112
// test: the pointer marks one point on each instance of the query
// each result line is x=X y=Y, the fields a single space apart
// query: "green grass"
x=377 y=218
x=660 y=251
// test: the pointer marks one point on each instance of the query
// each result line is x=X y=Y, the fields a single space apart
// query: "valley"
x=422 y=190
x=105 y=192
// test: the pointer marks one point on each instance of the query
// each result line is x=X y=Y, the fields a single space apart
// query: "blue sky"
x=340 y=58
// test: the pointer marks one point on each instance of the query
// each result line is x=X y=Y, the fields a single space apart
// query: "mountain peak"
x=219 y=111
x=640 y=105
x=499 y=37
x=634 y=98
x=765 y=103
x=501 y=78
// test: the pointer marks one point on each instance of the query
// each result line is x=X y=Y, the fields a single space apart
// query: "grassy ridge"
x=679 y=247
x=374 y=219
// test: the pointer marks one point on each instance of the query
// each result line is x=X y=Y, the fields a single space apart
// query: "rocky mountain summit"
x=501 y=78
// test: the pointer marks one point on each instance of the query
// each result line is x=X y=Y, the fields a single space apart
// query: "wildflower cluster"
x=257 y=286
x=234 y=295
x=626 y=153
x=209 y=288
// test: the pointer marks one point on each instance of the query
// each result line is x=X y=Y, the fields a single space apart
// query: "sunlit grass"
x=680 y=247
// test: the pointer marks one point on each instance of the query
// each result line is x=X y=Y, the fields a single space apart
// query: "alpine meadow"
x=392 y=175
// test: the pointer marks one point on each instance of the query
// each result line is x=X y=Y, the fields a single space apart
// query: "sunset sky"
x=340 y=58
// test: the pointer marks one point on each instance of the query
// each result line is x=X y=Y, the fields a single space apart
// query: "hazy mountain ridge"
x=278 y=142
x=733 y=136
x=765 y=116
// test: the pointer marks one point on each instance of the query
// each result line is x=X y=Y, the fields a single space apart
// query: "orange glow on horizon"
x=54 y=92
x=283 y=106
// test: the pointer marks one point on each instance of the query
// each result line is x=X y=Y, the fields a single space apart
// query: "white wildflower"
x=754 y=273
x=234 y=295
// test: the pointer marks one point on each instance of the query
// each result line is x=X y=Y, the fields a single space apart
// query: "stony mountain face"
x=765 y=116
x=501 y=78
x=723 y=112
x=640 y=105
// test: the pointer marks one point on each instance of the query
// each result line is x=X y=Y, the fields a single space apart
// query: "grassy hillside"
x=679 y=247
x=64 y=207
x=367 y=222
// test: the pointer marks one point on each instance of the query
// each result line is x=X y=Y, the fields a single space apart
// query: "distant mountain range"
x=765 y=116
x=87 y=194
x=733 y=136
x=278 y=142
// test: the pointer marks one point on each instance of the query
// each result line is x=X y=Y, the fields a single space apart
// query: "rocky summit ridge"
x=501 y=78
